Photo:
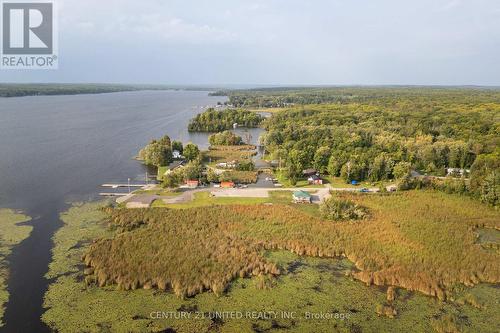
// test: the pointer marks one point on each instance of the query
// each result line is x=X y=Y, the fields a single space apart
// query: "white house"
x=177 y=155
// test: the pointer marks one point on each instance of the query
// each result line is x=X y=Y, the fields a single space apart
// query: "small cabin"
x=227 y=184
x=302 y=197
x=192 y=183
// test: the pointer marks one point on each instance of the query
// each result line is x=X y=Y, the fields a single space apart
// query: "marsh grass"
x=307 y=284
x=421 y=241
x=11 y=234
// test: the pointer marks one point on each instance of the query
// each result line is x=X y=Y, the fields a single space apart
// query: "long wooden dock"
x=116 y=194
x=123 y=185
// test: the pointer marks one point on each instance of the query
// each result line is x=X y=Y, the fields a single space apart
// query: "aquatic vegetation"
x=11 y=234
x=419 y=240
x=306 y=284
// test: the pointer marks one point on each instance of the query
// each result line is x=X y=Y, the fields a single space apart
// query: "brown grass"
x=421 y=241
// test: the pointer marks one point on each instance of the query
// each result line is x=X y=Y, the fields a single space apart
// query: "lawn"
x=204 y=199
x=11 y=234
x=159 y=191
x=283 y=180
x=161 y=172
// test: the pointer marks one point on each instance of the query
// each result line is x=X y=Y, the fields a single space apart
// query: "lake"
x=60 y=149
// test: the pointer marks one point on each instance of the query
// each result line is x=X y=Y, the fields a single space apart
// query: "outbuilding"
x=227 y=184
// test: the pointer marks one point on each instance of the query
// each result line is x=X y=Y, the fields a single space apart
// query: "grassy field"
x=306 y=285
x=204 y=199
x=11 y=234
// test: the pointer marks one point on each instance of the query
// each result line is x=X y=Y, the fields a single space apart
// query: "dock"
x=110 y=194
x=123 y=185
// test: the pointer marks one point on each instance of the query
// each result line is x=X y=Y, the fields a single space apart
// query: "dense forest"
x=217 y=121
x=388 y=137
x=282 y=97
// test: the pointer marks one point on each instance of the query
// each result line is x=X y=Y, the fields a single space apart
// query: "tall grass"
x=418 y=240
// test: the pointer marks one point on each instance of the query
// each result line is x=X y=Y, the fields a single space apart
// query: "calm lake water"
x=59 y=149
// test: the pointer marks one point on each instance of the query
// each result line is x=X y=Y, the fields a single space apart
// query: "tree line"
x=216 y=121
x=389 y=139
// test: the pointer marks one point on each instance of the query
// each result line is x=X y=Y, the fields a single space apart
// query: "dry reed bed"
x=417 y=240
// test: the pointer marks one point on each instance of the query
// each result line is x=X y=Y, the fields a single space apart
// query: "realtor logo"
x=28 y=35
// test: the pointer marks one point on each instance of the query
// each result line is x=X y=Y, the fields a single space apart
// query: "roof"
x=309 y=171
x=315 y=177
x=191 y=182
x=174 y=165
x=301 y=194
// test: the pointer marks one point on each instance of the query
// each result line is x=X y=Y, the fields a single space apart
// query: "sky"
x=275 y=42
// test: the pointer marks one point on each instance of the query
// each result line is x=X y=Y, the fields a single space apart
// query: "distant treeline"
x=19 y=90
x=282 y=97
x=217 y=121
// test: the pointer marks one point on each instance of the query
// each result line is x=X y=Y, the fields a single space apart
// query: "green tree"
x=177 y=145
x=212 y=176
x=295 y=165
x=334 y=166
x=191 y=152
x=226 y=138
x=156 y=154
x=165 y=141
x=402 y=170
x=193 y=170
x=321 y=159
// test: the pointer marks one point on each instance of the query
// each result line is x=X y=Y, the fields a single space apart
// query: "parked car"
x=364 y=190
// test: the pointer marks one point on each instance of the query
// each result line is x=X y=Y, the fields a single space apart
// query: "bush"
x=226 y=138
x=342 y=209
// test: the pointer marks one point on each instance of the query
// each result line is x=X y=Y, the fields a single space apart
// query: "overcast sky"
x=450 y=42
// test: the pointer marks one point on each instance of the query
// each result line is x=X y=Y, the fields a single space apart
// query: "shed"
x=227 y=184
x=301 y=197
x=192 y=183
